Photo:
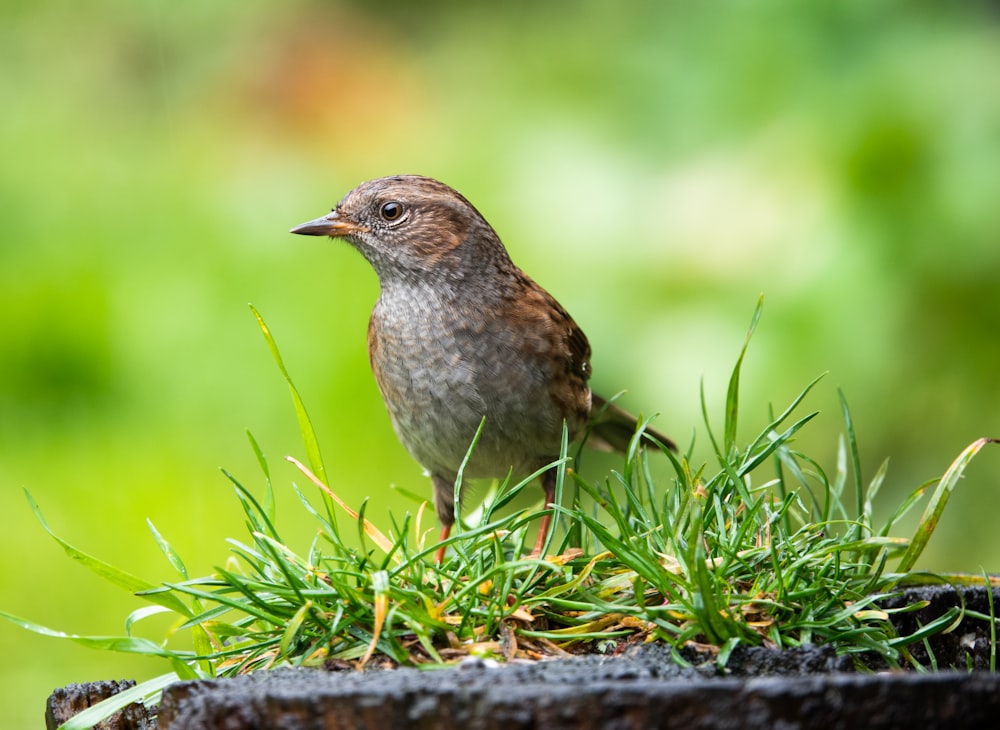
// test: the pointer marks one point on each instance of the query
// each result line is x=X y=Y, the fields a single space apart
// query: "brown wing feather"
x=559 y=344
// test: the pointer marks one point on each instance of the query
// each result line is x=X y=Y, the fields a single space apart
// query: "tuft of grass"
x=763 y=547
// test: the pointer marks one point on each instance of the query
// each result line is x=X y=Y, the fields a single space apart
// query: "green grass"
x=761 y=547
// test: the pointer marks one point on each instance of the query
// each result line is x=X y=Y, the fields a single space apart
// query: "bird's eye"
x=391 y=211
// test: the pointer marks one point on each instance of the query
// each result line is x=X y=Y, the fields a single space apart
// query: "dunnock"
x=460 y=333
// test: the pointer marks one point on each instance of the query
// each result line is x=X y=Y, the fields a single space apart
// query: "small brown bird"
x=460 y=333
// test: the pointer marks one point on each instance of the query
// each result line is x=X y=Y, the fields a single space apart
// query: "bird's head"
x=409 y=225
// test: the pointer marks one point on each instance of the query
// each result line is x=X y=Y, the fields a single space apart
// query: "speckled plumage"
x=459 y=333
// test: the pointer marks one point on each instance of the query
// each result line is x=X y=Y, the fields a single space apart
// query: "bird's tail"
x=612 y=427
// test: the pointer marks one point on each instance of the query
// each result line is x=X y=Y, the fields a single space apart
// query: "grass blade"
x=370 y=529
x=931 y=516
x=305 y=423
x=852 y=441
x=168 y=551
x=108 y=572
x=124 y=644
x=733 y=393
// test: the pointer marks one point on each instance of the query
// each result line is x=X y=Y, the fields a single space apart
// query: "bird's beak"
x=329 y=225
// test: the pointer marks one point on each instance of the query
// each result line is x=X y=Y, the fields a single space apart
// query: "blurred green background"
x=655 y=165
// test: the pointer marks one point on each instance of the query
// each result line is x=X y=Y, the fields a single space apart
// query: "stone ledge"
x=485 y=699
x=807 y=687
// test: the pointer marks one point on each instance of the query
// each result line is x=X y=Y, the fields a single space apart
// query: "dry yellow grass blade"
x=373 y=532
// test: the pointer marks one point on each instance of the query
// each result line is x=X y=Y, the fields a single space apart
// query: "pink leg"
x=439 y=555
x=549 y=485
x=444 y=504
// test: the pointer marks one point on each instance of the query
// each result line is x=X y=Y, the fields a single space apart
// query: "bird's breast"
x=443 y=364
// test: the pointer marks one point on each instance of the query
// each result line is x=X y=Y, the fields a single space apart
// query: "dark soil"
x=643 y=687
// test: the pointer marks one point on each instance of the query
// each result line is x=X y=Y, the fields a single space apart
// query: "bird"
x=460 y=337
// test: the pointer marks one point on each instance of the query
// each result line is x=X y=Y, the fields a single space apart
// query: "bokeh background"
x=655 y=165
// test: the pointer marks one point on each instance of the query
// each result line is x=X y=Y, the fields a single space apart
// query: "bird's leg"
x=549 y=485
x=439 y=555
x=444 y=503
